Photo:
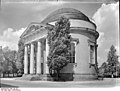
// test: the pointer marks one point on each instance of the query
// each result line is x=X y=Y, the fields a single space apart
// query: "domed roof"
x=67 y=12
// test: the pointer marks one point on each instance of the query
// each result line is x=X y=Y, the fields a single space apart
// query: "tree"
x=112 y=66
x=4 y=63
x=10 y=62
x=118 y=70
x=1 y=60
x=20 y=64
x=59 y=41
x=1 y=63
x=104 y=65
x=112 y=60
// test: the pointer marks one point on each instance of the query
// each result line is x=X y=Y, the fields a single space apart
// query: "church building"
x=83 y=63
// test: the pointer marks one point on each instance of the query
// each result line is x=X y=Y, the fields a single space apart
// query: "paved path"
x=11 y=82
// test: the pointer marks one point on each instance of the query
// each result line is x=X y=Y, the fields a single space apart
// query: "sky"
x=15 y=17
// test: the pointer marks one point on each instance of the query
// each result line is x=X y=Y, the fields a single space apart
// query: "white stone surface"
x=32 y=59
x=79 y=23
x=26 y=60
x=39 y=58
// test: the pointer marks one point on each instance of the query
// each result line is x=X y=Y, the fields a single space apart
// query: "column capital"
x=76 y=40
x=33 y=42
x=96 y=45
x=26 y=44
x=91 y=42
x=40 y=40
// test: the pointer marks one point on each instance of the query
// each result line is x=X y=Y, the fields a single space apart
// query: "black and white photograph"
x=59 y=44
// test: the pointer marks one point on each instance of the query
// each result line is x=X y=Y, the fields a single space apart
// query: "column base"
x=34 y=77
x=38 y=74
x=24 y=75
x=32 y=74
x=46 y=77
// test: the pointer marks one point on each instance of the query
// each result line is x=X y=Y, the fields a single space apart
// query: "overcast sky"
x=15 y=17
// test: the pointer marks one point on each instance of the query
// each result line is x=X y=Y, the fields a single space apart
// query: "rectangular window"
x=92 y=54
x=72 y=55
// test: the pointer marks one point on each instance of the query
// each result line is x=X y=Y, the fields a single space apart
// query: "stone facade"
x=84 y=46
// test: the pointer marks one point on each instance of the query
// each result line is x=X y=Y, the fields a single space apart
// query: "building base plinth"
x=34 y=77
x=62 y=77
x=84 y=77
x=77 y=77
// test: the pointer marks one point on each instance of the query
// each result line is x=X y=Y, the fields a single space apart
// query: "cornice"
x=84 y=31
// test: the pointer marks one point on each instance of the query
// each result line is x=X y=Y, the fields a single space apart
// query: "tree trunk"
x=50 y=72
x=56 y=75
x=112 y=75
x=17 y=74
x=13 y=74
x=58 y=72
x=3 y=74
x=8 y=74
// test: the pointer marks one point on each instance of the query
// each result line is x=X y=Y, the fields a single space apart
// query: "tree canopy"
x=59 y=40
x=112 y=65
x=11 y=61
x=112 y=58
x=8 y=60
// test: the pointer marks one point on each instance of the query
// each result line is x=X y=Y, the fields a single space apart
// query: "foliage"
x=10 y=61
x=1 y=63
x=112 y=59
x=112 y=65
x=59 y=41
x=20 y=64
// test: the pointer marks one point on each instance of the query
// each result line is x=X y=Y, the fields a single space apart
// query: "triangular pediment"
x=32 y=27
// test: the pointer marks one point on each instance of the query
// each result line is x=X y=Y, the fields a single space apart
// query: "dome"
x=67 y=12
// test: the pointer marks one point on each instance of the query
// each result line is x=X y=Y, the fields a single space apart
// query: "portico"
x=38 y=56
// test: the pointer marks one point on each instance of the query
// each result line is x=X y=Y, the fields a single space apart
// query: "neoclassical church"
x=83 y=63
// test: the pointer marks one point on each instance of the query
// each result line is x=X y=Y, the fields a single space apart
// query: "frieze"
x=36 y=35
x=84 y=31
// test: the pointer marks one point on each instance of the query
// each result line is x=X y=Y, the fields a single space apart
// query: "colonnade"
x=36 y=69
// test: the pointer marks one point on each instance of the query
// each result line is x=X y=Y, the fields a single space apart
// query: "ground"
x=108 y=82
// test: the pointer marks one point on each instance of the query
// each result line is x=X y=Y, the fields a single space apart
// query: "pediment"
x=32 y=27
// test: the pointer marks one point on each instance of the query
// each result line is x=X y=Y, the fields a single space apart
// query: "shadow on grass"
x=8 y=86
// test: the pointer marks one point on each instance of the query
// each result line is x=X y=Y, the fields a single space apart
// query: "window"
x=92 y=54
x=72 y=55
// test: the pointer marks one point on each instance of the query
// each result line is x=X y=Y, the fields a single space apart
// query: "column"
x=39 y=58
x=32 y=59
x=93 y=54
x=75 y=44
x=26 y=60
x=92 y=61
x=46 y=69
x=89 y=47
x=96 y=54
